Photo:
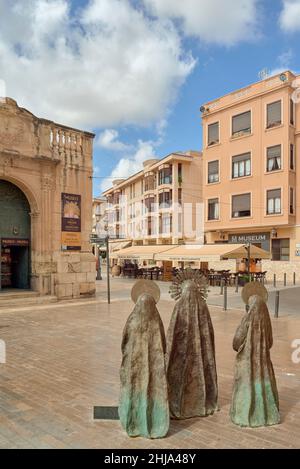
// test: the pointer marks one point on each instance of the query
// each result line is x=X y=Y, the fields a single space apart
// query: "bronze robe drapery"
x=255 y=397
x=143 y=407
x=190 y=359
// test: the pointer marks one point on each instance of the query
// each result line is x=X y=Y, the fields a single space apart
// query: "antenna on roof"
x=263 y=74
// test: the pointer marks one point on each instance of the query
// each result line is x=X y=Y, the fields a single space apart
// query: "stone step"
x=26 y=298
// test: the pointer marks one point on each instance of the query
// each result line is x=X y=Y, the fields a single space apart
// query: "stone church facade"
x=45 y=205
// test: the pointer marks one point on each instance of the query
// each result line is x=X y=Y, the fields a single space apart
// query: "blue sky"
x=136 y=71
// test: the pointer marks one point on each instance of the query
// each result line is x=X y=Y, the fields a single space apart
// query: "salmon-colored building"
x=250 y=170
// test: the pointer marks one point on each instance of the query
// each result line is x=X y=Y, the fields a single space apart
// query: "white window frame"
x=281 y=158
x=231 y=205
x=207 y=173
x=218 y=143
x=293 y=201
x=237 y=114
x=231 y=166
x=275 y=214
x=294 y=157
x=266 y=114
x=207 y=213
x=294 y=112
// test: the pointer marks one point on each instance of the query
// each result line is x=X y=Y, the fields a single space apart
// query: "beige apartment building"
x=147 y=208
x=251 y=176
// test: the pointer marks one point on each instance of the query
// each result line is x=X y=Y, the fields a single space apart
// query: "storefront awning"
x=148 y=252
x=191 y=252
x=117 y=246
x=208 y=252
x=241 y=252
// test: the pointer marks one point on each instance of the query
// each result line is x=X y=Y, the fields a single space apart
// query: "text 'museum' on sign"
x=248 y=238
x=71 y=222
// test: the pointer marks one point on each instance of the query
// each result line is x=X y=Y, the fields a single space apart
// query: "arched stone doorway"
x=15 y=228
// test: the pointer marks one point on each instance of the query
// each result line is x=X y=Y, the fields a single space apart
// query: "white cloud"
x=108 y=139
x=290 y=16
x=216 y=21
x=129 y=165
x=107 y=65
x=284 y=63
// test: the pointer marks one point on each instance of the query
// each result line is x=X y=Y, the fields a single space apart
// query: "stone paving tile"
x=64 y=359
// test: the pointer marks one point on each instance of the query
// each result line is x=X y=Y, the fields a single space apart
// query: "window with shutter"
x=241 y=124
x=292 y=156
x=273 y=114
x=241 y=165
x=213 y=171
x=292 y=201
x=213 y=209
x=241 y=205
x=213 y=134
x=280 y=249
x=274 y=158
x=273 y=201
x=292 y=112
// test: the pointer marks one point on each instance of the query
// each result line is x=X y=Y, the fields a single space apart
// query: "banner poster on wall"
x=71 y=222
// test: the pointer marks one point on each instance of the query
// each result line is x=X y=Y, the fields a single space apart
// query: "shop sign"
x=71 y=222
x=243 y=238
x=14 y=242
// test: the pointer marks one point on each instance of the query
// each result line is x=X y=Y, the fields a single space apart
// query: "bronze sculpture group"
x=175 y=376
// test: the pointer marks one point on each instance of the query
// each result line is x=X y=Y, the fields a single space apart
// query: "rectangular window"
x=292 y=112
x=273 y=201
x=273 y=114
x=280 y=249
x=149 y=204
x=213 y=171
x=241 y=124
x=292 y=156
x=142 y=187
x=292 y=201
x=241 y=205
x=180 y=197
x=213 y=209
x=274 y=158
x=150 y=226
x=241 y=165
x=150 y=183
x=213 y=134
x=165 y=199
x=166 y=224
x=179 y=174
x=165 y=176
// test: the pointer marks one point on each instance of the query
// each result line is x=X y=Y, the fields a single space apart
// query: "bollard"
x=225 y=298
x=274 y=280
x=284 y=279
x=222 y=286
x=294 y=278
x=237 y=284
x=276 y=304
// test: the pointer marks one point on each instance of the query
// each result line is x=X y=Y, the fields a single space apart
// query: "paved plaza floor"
x=64 y=358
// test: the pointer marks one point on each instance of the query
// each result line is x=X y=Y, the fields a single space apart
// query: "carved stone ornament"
x=11 y=135
x=47 y=183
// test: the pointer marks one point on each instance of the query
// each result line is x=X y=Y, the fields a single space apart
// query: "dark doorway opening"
x=15 y=267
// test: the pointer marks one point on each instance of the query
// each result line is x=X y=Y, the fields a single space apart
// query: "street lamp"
x=99 y=275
